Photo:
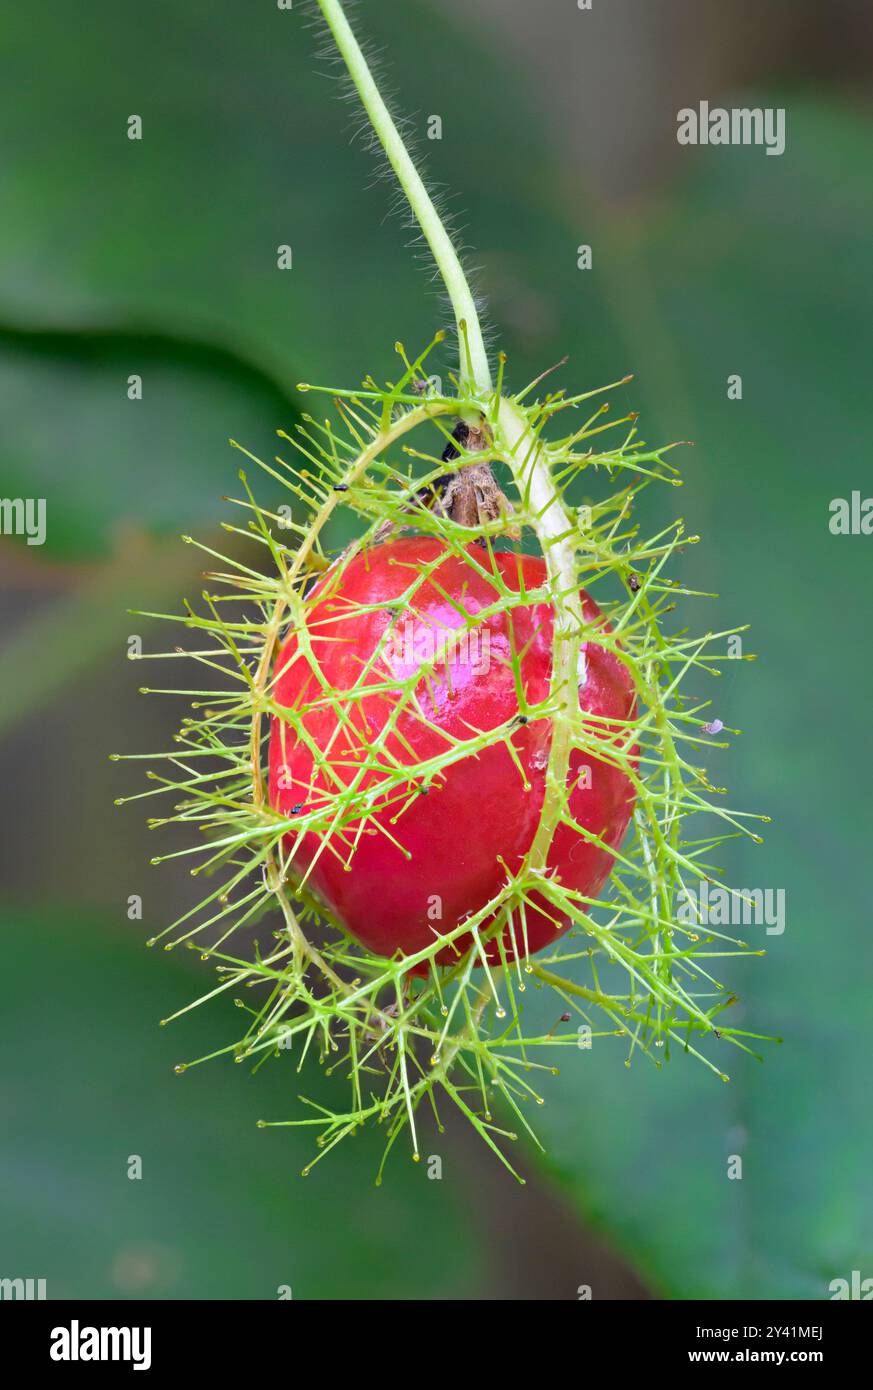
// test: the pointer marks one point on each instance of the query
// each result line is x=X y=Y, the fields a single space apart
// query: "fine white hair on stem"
x=474 y=368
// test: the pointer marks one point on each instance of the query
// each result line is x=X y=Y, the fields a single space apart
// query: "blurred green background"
x=157 y=258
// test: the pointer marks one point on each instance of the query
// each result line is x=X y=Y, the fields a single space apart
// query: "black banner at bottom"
x=64 y=1338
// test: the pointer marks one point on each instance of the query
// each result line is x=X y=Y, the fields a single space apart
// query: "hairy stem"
x=474 y=370
x=547 y=514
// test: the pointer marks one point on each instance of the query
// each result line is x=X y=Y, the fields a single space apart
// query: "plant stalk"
x=475 y=374
x=542 y=502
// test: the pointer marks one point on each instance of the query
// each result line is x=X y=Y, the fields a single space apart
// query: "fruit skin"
x=477 y=810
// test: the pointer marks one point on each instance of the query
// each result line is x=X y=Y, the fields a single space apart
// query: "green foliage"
x=120 y=257
x=124 y=480
x=767 y=271
x=219 y=1212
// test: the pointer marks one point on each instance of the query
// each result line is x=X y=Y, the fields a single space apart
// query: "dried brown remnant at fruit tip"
x=471 y=496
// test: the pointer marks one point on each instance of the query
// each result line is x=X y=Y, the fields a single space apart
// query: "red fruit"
x=477 y=810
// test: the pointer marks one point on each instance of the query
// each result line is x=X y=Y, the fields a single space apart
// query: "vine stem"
x=475 y=373
x=548 y=516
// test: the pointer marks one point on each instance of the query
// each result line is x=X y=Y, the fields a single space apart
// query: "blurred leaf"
x=220 y=1211
x=761 y=268
x=245 y=148
x=76 y=629
x=158 y=257
x=108 y=465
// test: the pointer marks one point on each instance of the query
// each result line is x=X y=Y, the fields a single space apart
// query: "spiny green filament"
x=628 y=968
